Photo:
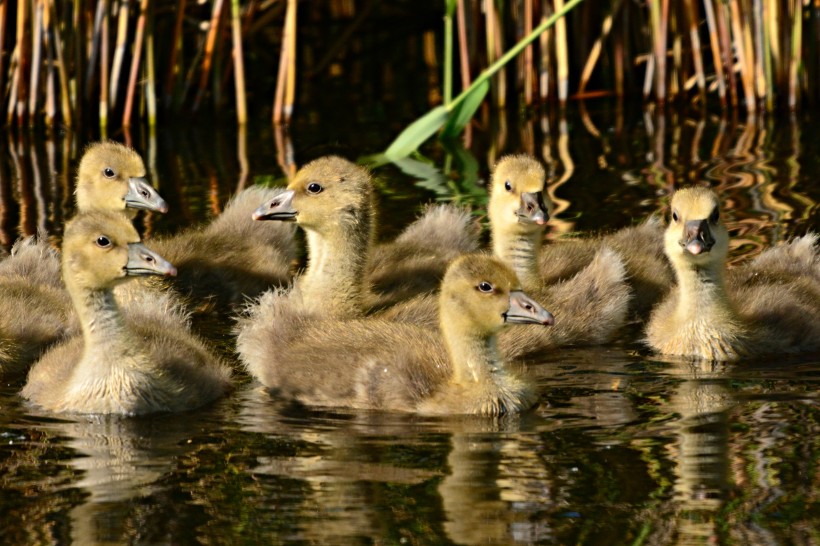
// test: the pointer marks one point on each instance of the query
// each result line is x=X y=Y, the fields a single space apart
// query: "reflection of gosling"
x=771 y=305
x=38 y=309
x=519 y=208
x=332 y=200
x=144 y=362
x=378 y=364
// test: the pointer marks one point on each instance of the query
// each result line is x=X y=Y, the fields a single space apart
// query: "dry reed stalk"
x=677 y=72
x=650 y=76
x=726 y=50
x=495 y=50
x=794 y=58
x=746 y=63
x=242 y=155
x=619 y=58
x=119 y=52
x=150 y=87
x=659 y=14
x=15 y=75
x=59 y=60
x=595 y=52
x=207 y=60
x=775 y=43
x=767 y=56
x=135 y=64
x=104 y=66
x=758 y=42
x=176 y=45
x=23 y=61
x=290 y=88
x=561 y=54
x=279 y=94
x=36 y=58
x=544 y=43
x=528 y=53
x=717 y=60
x=694 y=37
x=463 y=50
x=94 y=47
x=239 y=68
x=51 y=101
x=3 y=13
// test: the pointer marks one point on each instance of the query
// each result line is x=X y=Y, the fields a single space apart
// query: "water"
x=624 y=448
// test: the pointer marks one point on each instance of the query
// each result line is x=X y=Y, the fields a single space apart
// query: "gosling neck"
x=520 y=250
x=334 y=277
x=475 y=356
x=104 y=330
x=702 y=291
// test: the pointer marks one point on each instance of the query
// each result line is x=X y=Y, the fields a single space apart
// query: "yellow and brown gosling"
x=769 y=306
x=143 y=362
x=309 y=356
x=332 y=200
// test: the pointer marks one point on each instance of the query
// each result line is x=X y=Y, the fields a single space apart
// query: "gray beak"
x=143 y=261
x=141 y=195
x=524 y=310
x=698 y=237
x=533 y=210
x=279 y=208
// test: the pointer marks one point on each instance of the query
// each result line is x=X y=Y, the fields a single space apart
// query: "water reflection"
x=624 y=448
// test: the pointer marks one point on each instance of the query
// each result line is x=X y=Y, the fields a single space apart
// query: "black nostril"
x=274 y=204
x=145 y=193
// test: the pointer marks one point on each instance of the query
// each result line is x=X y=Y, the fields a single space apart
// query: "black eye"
x=674 y=216
x=507 y=186
x=715 y=216
x=484 y=286
x=314 y=188
x=103 y=241
x=109 y=172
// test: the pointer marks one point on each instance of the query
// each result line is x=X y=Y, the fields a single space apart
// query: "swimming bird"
x=519 y=211
x=111 y=177
x=305 y=355
x=332 y=200
x=768 y=306
x=143 y=362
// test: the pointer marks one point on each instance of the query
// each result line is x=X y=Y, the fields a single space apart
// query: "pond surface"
x=624 y=448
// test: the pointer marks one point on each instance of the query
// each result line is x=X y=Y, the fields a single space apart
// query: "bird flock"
x=429 y=323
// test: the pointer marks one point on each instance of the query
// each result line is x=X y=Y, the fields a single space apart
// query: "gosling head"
x=102 y=248
x=112 y=177
x=518 y=202
x=485 y=295
x=695 y=237
x=327 y=192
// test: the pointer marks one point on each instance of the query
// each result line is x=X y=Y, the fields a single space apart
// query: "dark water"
x=624 y=448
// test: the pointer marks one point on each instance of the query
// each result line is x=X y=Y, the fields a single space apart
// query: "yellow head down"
x=695 y=236
x=485 y=294
x=518 y=200
x=101 y=248
x=111 y=176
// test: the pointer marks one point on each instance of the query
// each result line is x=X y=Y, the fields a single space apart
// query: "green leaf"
x=426 y=174
x=450 y=7
x=464 y=111
x=416 y=133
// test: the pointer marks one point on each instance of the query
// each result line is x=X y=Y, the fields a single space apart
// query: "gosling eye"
x=507 y=186
x=674 y=216
x=103 y=241
x=715 y=216
x=314 y=188
x=108 y=172
x=485 y=287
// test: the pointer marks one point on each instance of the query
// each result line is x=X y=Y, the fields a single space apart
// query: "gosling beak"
x=141 y=195
x=698 y=237
x=524 y=310
x=532 y=209
x=143 y=261
x=278 y=208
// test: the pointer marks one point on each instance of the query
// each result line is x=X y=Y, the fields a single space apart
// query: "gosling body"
x=377 y=364
x=769 y=306
x=141 y=363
